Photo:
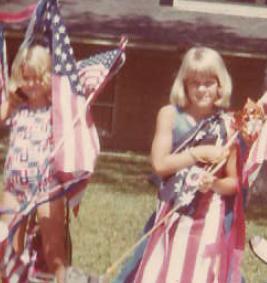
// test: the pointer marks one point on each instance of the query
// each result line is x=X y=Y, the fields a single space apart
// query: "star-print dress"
x=26 y=171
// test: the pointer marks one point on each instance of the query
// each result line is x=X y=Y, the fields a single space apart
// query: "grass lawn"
x=116 y=205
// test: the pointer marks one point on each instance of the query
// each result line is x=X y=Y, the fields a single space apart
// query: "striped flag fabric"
x=17 y=17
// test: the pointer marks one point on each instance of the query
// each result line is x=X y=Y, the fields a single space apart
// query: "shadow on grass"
x=257 y=211
x=128 y=174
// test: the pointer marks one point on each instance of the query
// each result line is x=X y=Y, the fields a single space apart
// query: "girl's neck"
x=38 y=102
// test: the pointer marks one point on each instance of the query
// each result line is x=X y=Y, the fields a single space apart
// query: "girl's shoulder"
x=169 y=113
x=170 y=110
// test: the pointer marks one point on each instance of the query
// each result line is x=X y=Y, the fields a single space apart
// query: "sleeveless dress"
x=26 y=172
x=196 y=245
x=29 y=177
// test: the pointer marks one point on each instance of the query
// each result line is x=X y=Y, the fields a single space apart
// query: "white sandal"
x=259 y=247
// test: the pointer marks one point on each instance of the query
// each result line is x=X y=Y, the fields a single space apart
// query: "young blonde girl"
x=29 y=112
x=28 y=174
x=199 y=242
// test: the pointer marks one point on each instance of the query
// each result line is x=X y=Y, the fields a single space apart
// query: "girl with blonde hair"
x=202 y=241
x=28 y=112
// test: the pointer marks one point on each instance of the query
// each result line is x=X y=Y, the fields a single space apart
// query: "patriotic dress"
x=29 y=177
x=201 y=242
x=26 y=172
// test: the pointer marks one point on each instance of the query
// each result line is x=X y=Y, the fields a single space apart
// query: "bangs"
x=200 y=67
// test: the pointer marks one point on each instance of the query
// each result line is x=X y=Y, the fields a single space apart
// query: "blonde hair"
x=36 y=57
x=202 y=60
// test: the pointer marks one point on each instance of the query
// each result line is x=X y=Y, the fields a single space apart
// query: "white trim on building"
x=232 y=9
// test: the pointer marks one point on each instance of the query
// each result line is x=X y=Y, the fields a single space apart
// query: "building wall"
x=125 y=112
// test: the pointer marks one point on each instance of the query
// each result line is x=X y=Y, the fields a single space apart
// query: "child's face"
x=202 y=90
x=32 y=86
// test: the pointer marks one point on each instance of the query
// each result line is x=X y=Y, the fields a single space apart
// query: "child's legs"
x=9 y=201
x=51 y=217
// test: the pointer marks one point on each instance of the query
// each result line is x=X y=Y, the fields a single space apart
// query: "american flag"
x=75 y=136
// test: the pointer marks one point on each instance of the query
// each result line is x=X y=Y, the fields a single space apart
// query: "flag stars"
x=57 y=36
x=56 y=19
x=74 y=77
x=66 y=40
x=79 y=88
x=63 y=57
x=71 y=51
x=68 y=67
x=62 y=29
x=48 y=16
x=57 y=68
x=58 y=51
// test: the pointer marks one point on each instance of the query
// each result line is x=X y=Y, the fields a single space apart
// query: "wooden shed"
x=158 y=37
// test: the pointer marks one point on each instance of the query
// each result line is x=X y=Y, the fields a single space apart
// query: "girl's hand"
x=210 y=153
x=92 y=76
x=206 y=182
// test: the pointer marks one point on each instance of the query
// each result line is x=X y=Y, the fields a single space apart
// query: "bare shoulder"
x=167 y=111
x=165 y=118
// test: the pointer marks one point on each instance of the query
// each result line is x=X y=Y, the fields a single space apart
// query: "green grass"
x=117 y=203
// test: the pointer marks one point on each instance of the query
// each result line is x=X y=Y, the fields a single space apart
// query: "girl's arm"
x=229 y=184
x=164 y=162
x=5 y=111
x=8 y=107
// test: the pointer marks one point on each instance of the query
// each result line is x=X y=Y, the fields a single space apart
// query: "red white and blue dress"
x=26 y=172
x=29 y=177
